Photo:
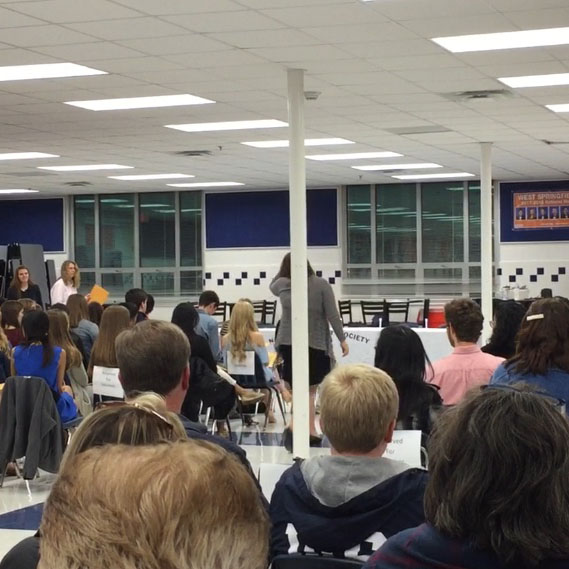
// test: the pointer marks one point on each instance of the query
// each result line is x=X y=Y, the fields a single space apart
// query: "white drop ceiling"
x=373 y=63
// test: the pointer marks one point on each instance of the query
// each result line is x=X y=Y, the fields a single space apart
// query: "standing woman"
x=74 y=369
x=38 y=357
x=23 y=287
x=11 y=315
x=67 y=284
x=322 y=313
x=80 y=323
x=115 y=319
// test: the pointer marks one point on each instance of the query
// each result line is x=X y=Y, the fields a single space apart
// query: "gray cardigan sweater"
x=322 y=313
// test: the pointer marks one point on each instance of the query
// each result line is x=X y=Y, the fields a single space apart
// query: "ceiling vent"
x=77 y=184
x=479 y=96
x=427 y=129
x=193 y=153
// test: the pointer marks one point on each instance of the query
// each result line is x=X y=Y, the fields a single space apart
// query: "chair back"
x=371 y=308
x=269 y=312
x=397 y=308
x=221 y=311
x=254 y=378
x=299 y=561
x=106 y=382
x=259 y=308
x=345 y=309
x=423 y=314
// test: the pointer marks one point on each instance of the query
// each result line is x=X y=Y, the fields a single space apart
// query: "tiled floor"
x=20 y=509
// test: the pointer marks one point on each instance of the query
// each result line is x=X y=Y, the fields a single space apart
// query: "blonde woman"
x=5 y=356
x=67 y=284
x=74 y=369
x=244 y=336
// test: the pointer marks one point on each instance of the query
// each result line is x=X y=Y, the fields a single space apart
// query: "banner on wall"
x=540 y=210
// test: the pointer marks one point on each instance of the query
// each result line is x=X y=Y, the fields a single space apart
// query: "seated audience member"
x=5 y=356
x=149 y=305
x=154 y=356
x=348 y=503
x=132 y=310
x=95 y=312
x=37 y=356
x=138 y=297
x=507 y=320
x=400 y=353
x=29 y=304
x=497 y=496
x=208 y=327
x=80 y=323
x=542 y=355
x=201 y=511
x=76 y=339
x=143 y=421
x=23 y=287
x=467 y=366
x=11 y=315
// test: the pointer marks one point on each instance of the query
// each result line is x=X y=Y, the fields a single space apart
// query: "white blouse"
x=60 y=292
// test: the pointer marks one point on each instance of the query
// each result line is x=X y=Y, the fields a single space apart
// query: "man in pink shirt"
x=468 y=366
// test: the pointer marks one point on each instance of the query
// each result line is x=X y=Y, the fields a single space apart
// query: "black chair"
x=423 y=316
x=373 y=308
x=345 y=309
x=396 y=308
x=313 y=561
x=269 y=312
x=259 y=308
x=221 y=310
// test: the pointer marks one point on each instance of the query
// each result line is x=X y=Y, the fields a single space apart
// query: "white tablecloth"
x=362 y=343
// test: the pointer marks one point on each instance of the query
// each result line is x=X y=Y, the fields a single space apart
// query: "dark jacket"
x=30 y=426
x=425 y=548
x=33 y=292
x=344 y=506
x=24 y=555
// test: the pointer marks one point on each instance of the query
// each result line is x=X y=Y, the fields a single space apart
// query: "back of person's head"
x=60 y=306
x=29 y=304
x=358 y=407
x=241 y=324
x=137 y=296
x=78 y=309
x=10 y=313
x=132 y=310
x=114 y=320
x=186 y=317
x=499 y=465
x=152 y=356
x=59 y=336
x=285 y=268
x=143 y=420
x=466 y=319
x=543 y=339
x=95 y=312
x=507 y=320
x=208 y=297
x=183 y=505
x=149 y=304
x=35 y=325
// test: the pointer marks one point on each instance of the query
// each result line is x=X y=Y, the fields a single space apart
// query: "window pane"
x=87 y=281
x=474 y=273
x=191 y=282
x=158 y=283
x=191 y=229
x=84 y=231
x=474 y=222
x=442 y=222
x=117 y=283
x=396 y=223
x=116 y=216
x=359 y=224
x=157 y=215
x=443 y=274
x=396 y=273
x=359 y=273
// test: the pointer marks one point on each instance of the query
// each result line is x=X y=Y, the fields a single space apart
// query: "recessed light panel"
x=549 y=80
x=561 y=108
x=18 y=191
x=46 y=71
x=307 y=142
x=85 y=167
x=151 y=177
x=417 y=166
x=354 y=156
x=227 y=125
x=432 y=176
x=26 y=155
x=206 y=185
x=140 y=102
x=504 y=40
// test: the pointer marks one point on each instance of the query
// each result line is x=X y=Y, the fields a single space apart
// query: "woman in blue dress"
x=36 y=356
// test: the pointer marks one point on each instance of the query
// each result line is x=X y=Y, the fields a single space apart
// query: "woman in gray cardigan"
x=322 y=313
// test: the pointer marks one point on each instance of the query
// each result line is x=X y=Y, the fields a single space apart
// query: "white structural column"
x=299 y=274
x=487 y=277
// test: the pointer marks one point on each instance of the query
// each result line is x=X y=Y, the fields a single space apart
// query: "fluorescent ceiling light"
x=354 y=156
x=504 y=40
x=46 y=71
x=26 y=155
x=429 y=176
x=18 y=191
x=85 y=167
x=151 y=177
x=307 y=142
x=536 y=80
x=154 y=205
x=562 y=108
x=416 y=166
x=206 y=185
x=113 y=200
x=140 y=102
x=227 y=125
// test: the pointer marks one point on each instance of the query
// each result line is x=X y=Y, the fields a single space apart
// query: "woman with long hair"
x=542 y=351
x=5 y=356
x=23 y=287
x=507 y=321
x=74 y=369
x=322 y=313
x=80 y=323
x=38 y=357
x=11 y=314
x=115 y=319
x=67 y=284
x=400 y=353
